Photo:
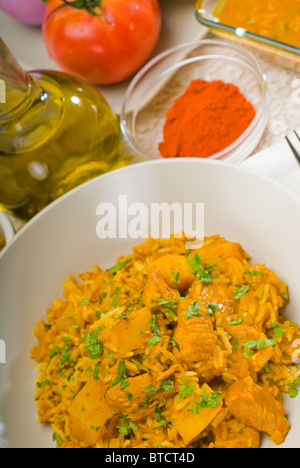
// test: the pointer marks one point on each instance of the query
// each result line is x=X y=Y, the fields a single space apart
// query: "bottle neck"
x=18 y=89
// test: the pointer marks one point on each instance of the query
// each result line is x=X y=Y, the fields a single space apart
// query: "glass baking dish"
x=205 y=14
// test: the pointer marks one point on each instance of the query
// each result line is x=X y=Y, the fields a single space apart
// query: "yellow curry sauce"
x=271 y=18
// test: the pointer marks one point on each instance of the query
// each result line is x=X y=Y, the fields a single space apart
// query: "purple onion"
x=27 y=11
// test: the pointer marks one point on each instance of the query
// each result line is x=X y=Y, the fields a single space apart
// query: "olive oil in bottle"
x=56 y=132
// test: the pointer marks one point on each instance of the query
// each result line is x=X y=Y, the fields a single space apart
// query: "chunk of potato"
x=190 y=425
x=125 y=335
x=91 y=417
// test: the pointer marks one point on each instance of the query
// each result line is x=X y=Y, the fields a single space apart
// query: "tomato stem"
x=89 y=5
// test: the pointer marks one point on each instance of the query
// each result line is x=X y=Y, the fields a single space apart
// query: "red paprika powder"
x=206 y=119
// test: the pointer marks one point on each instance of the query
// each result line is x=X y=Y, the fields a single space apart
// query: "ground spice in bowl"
x=205 y=120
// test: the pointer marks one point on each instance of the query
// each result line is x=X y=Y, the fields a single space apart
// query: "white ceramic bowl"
x=61 y=240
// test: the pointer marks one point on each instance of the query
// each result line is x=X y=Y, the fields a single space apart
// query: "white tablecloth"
x=279 y=163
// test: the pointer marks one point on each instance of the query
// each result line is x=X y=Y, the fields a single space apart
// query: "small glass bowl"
x=157 y=85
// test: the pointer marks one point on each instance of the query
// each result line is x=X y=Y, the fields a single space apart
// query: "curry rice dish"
x=169 y=348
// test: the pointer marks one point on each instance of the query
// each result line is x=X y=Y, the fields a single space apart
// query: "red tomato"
x=102 y=49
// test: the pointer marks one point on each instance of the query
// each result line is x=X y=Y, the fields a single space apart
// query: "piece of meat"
x=157 y=289
x=244 y=333
x=261 y=358
x=257 y=408
x=195 y=335
x=91 y=418
x=166 y=276
x=228 y=434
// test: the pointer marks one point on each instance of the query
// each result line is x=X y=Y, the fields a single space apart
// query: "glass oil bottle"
x=56 y=132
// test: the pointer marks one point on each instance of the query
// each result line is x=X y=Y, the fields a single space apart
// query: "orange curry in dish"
x=271 y=18
x=169 y=348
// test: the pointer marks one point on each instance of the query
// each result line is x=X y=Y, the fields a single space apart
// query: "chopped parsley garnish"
x=153 y=341
x=250 y=344
x=93 y=345
x=185 y=390
x=127 y=427
x=53 y=351
x=193 y=311
x=140 y=297
x=150 y=389
x=253 y=273
x=236 y=322
x=102 y=297
x=66 y=339
x=294 y=392
x=66 y=357
x=56 y=438
x=241 y=291
x=116 y=292
x=198 y=270
x=122 y=376
x=260 y=344
x=211 y=307
x=44 y=382
x=154 y=325
x=96 y=372
x=124 y=384
x=175 y=277
x=159 y=417
x=174 y=343
x=168 y=305
x=278 y=329
x=115 y=303
x=206 y=401
x=84 y=302
x=95 y=428
x=166 y=385
x=119 y=266
x=155 y=328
